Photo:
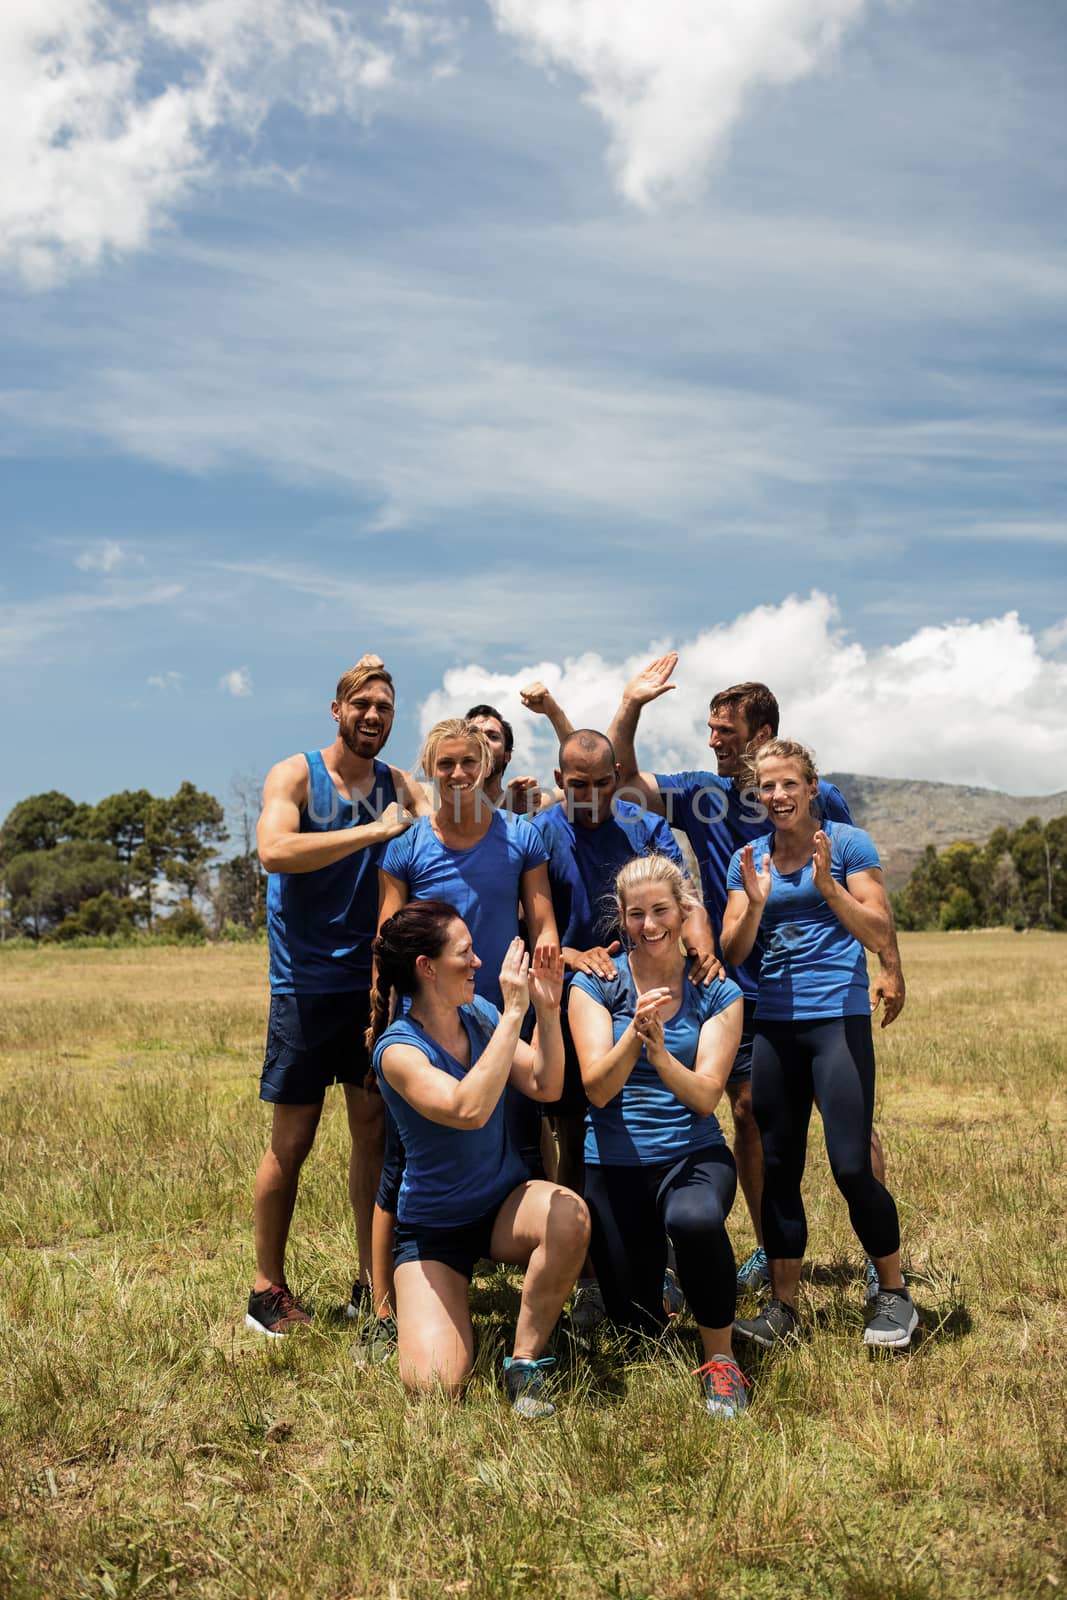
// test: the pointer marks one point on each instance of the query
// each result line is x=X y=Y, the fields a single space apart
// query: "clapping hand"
x=820 y=862
x=647 y=1024
x=515 y=979
x=756 y=883
x=546 y=978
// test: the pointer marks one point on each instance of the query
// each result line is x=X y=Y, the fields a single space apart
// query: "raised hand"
x=651 y=681
x=822 y=877
x=368 y=663
x=597 y=963
x=514 y=979
x=546 y=978
x=537 y=698
x=756 y=883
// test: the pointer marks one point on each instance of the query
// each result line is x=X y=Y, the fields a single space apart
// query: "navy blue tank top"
x=320 y=925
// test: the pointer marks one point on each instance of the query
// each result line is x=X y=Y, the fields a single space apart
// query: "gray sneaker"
x=776 y=1322
x=587 y=1307
x=525 y=1382
x=377 y=1345
x=894 y=1321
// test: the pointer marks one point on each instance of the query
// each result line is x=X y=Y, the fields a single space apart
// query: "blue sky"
x=530 y=339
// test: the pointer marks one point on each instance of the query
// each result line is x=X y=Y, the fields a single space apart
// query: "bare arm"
x=606 y=1065
x=412 y=794
x=537 y=1070
x=888 y=987
x=466 y=1102
x=536 y=896
x=648 y=685
x=699 y=1087
x=392 y=894
x=744 y=908
x=860 y=905
x=699 y=941
x=281 y=845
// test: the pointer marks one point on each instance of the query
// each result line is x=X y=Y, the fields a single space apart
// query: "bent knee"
x=567 y=1225
x=450 y=1384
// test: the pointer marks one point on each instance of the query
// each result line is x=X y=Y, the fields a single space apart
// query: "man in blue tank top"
x=327 y=817
x=718 y=815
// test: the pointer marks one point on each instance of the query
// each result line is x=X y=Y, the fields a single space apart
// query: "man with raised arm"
x=327 y=817
x=718 y=815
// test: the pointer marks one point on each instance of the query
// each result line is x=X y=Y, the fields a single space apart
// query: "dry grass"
x=152 y=1447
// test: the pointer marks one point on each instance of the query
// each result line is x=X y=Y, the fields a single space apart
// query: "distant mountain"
x=904 y=815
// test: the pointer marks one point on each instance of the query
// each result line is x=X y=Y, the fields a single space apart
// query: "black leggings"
x=633 y=1209
x=831 y=1060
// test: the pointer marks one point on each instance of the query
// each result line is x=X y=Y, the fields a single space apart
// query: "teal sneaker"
x=524 y=1382
x=870 y=1280
x=724 y=1386
x=754 y=1275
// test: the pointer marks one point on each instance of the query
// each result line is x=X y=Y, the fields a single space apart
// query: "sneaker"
x=359 y=1301
x=776 y=1322
x=587 y=1307
x=378 y=1344
x=754 y=1275
x=870 y=1279
x=673 y=1298
x=276 y=1311
x=724 y=1385
x=524 y=1381
x=895 y=1319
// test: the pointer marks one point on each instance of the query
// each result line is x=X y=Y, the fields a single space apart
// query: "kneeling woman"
x=655 y=1053
x=813 y=894
x=443 y=1067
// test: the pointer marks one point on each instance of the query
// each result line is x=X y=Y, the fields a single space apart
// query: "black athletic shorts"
x=460 y=1247
x=314 y=1040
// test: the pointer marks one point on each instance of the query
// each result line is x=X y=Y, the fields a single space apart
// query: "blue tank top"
x=320 y=925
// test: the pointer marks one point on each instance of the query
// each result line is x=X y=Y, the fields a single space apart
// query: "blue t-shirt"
x=482 y=883
x=320 y=925
x=583 y=864
x=812 y=966
x=452 y=1176
x=718 y=817
x=645 y=1123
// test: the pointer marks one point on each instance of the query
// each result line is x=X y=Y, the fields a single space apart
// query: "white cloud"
x=25 y=624
x=670 y=77
x=102 y=557
x=238 y=682
x=110 y=115
x=167 y=681
x=965 y=702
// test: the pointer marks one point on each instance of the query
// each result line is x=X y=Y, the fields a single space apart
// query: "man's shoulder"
x=690 y=782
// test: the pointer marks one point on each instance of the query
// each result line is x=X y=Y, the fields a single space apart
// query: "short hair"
x=655 y=868
x=589 y=741
x=784 y=750
x=363 y=672
x=455 y=728
x=754 y=701
x=505 y=727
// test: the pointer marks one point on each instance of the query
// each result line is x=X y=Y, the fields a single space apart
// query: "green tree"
x=120 y=820
x=48 y=885
x=240 y=892
x=105 y=914
x=193 y=823
x=40 y=823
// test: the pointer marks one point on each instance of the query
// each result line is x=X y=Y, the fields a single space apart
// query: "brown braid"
x=417 y=929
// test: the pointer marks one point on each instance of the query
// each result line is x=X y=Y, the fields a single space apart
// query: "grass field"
x=150 y=1446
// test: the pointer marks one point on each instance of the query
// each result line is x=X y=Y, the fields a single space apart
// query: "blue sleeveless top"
x=320 y=925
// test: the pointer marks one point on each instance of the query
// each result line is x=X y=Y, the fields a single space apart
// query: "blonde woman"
x=813 y=891
x=655 y=1053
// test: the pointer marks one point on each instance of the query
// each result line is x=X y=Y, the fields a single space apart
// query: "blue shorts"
x=741 y=1071
x=314 y=1040
x=460 y=1247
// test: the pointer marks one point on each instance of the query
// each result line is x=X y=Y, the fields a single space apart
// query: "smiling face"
x=652 y=919
x=785 y=791
x=458 y=767
x=365 y=718
x=450 y=973
x=494 y=734
x=589 y=780
x=729 y=736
